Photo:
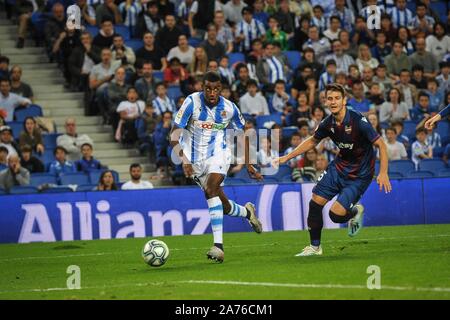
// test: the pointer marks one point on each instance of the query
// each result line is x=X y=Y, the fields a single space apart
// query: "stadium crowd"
x=136 y=61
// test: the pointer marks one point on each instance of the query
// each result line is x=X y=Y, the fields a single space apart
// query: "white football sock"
x=216 y=215
x=237 y=210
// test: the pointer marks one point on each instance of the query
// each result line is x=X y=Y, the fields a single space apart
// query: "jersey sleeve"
x=321 y=131
x=367 y=130
x=445 y=112
x=184 y=114
x=238 y=118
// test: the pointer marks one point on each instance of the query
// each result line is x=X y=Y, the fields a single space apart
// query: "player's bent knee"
x=315 y=218
x=336 y=218
x=211 y=192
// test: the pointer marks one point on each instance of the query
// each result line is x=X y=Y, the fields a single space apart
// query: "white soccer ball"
x=155 y=253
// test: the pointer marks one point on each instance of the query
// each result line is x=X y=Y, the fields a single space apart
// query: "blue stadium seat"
x=58 y=190
x=420 y=174
x=409 y=129
x=433 y=165
x=438 y=152
x=194 y=42
x=401 y=166
x=294 y=58
x=445 y=140
x=39 y=20
x=50 y=140
x=33 y=110
x=86 y=187
x=444 y=173
x=174 y=92
x=37 y=179
x=261 y=120
x=411 y=5
x=16 y=127
x=47 y=157
x=441 y=8
x=158 y=75
x=134 y=44
x=23 y=190
x=94 y=176
x=289 y=131
x=235 y=57
x=78 y=178
x=235 y=181
x=2 y=191
x=93 y=30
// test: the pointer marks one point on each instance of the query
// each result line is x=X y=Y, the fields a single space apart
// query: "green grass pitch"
x=414 y=262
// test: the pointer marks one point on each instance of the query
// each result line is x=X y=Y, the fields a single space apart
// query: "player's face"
x=335 y=101
x=212 y=92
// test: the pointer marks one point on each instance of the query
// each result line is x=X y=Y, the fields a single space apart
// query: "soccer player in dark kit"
x=350 y=174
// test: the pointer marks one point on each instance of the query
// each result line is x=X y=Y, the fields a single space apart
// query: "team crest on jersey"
x=223 y=114
x=348 y=129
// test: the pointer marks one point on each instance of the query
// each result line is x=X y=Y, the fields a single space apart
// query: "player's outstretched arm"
x=303 y=147
x=383 y=178
x=430 y=123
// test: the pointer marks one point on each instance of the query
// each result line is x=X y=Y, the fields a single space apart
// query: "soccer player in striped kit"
x=204 y=116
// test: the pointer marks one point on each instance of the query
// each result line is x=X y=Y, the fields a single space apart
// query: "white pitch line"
x=314 y=286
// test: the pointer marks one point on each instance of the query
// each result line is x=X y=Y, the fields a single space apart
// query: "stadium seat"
x=158 y=75
x=294 y=58
x=401 y=166
x=86 y=187
x=261 y=121
x=409 y=129
x=93 y=30
x=2 y=191
x=58 y=190
x=47 y=157
x=438 y=152
x=23 y=190
x=234 y=181
x=289 y=131
x=420 y=174
x=235 y=57
x=33 y=110
x=194 y=42
x=50 y=140
x=39 y=20
x=16 y=127
x=134 y=44
x=441 y=8
x=444 y=173
x=174 y=92
x=37 y=179
x=433 y=165
x=94 y=176
x=77 y=178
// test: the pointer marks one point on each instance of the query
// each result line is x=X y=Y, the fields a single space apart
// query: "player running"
x=349 y=175
x=444 y=113
x=206 y=157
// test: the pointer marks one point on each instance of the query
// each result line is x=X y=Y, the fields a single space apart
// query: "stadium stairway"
x=58 y=103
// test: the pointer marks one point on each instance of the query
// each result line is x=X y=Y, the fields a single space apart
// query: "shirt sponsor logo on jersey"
x=210 y=125
x=223 y=114
x=342 y=145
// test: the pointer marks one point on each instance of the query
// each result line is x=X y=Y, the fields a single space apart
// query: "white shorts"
x=216 y=164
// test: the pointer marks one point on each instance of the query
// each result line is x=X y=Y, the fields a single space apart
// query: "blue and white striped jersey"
x=205 y=127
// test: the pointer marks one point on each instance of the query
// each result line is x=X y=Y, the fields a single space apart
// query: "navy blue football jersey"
x=354 y=138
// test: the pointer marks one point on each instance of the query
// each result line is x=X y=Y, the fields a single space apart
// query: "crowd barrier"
x=183 y=210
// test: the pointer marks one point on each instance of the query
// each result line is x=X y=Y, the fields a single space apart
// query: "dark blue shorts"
x=349 y=191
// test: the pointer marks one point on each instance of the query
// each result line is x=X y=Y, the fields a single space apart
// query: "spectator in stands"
x=54 y=26
x=421 y=23
x=259 y=13
x=404 y=37
x=131 y=10
x=175 y=74
x=375 y=122
x=420 y=149
x=225 y=71
x=397 y=60
x=407 y=90
x=202 y=14
x=182 y=14
x=30 y=162
x=167 y=37
x=277 y=53
x=214 y=49
x=81 y=61
x=396 y=150
x=280 y=98
x=343 y=60
x=332 y=33
x=3 y=156
x=14 y=175
x=381 y=49
x=197 y=68
x=87 y=163
x=31 y=136
x=269 y=69
x=299 y=82
x=116 y=92
x=382 y=78
x=184 y=52
x=321 y=46
x=150 y=52
x=253 y=102
x=318 y=113
x=129 y=110
x=123 y=53
x=7 y=141
x=388 y=28
x=108 y=9
x=394 y=108
x=24 y=9
x=285 y=18
x=151 y=21
x=239 y=87
x=418 y=80
x=136 y=183
x=305 y=169
x=438 y=43
x=265 y=156
x=329 y=76
x=4 y=67
x=87 y=13
x=354 y=75
x=422 y=109
x=233 y=11
x=361 y=34
x=161 y=137
x=398 y=126
x=425 y=59
x=224 y=33
x=346 y=15
x=247 y=30
x=10 y=101
x=318 y=18
x=105 y=36
x=376 y=96
x=309 y=59
x=295 y=142
x=302 y=114
x=444 y=77
x=401 y=16
x=106 y=182
x=67 y=41
x=359 y=102
x=61 y=164
x=433 y=138
x=436 y=96
x=365 y=58
x=149 y=122
x=19 y=87
x=301 y=33
x=367 y=79
x=71 y=141
x=145 y=86
x=348 y=46
x=162 y=102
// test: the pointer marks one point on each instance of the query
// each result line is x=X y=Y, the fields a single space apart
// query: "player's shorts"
x=202 y=169
x=349 y=191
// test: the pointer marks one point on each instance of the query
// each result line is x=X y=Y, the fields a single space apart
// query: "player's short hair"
x=336 y=87
x=135 y=165
x=211 y=76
